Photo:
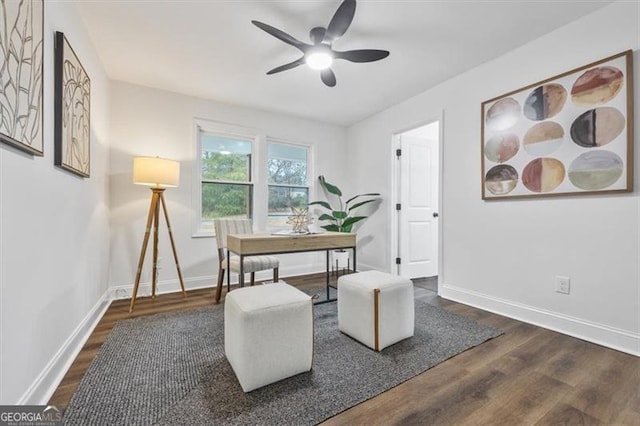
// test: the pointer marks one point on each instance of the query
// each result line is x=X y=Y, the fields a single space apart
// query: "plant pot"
x=340 y=259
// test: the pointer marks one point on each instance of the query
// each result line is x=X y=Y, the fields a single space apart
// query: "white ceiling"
x=211 y=50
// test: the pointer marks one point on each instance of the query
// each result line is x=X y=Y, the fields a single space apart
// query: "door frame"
x=395 y=193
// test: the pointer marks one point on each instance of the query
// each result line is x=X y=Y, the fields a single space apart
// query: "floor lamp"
x=159 y=174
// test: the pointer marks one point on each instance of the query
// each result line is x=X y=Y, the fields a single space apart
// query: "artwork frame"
x=570 y=134
x=72 y=93
x=21 y=85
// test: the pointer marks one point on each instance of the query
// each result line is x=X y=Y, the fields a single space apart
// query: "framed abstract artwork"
x=72 y=107
x=21 y=72
x=569 y=134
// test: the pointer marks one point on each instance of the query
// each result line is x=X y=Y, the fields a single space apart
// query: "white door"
x=418 y=215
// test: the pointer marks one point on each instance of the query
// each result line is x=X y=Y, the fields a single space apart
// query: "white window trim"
x=223 y=129
x=260 y=142
x=310 y=170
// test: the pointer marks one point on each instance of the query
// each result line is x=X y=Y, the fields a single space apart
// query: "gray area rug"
x=170 y=369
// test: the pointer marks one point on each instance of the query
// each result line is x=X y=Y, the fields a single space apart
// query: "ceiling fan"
x=320 y=54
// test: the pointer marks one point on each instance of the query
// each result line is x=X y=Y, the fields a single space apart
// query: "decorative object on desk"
x=72 y=110
x=21 y=35
x=300 y=220
x=563 y=135
x=343 y=218
x=159 y=174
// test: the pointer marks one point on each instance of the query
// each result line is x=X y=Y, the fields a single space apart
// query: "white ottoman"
x=375 y=308
x=268 y=333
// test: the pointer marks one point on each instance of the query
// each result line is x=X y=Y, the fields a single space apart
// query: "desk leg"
x=228 y=272
x=327 y=275
x=354 y=260
x=241 y=277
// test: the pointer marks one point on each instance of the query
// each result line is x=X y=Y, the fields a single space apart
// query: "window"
x=241 y=173
x=226 y=183
x=287 y=180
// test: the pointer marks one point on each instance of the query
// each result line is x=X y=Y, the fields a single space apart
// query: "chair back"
x=224 y=227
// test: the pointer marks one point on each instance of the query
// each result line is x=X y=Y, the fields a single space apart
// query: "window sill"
x=203 y=234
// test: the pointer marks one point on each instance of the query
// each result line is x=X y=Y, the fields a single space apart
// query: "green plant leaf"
x=321 y=203
x=355 y=206
x=332 y=189
x=372 y=194
x=333 y=228
x=350 y=221
x=339 y=214
x=327 y=217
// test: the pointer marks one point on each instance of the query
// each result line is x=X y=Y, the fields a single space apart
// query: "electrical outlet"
x=563 y=284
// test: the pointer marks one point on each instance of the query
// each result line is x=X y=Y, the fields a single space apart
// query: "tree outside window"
x=225 y=185
x=287 y=167
x=227 y=188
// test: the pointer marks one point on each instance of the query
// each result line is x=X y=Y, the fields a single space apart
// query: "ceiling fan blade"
x=363 y=55
x=287 y=66
x=281 y=35
x=341 y=20
x=328 y=77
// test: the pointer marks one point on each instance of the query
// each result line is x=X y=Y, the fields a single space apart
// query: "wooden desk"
x=266 y=244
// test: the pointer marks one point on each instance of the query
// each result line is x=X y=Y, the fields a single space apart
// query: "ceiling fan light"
x=319 y=60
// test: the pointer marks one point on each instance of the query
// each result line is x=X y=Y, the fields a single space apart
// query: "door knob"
x=435 y=214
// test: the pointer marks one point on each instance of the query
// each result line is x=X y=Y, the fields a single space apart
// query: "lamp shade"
x=156 y=171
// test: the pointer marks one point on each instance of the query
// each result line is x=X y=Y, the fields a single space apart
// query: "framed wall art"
x=72 y=107
x=21 y=91
x=569 y=134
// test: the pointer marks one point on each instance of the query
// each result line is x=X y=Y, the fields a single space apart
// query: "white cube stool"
x=375 y=308
x=268 y=333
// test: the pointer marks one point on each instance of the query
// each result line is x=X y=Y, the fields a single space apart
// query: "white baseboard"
x=194 y=283
x=48 y=380
x=601 y=334
x=163 y=287
x=365 y=267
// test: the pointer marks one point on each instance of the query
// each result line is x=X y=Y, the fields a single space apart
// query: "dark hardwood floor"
x=529 y=375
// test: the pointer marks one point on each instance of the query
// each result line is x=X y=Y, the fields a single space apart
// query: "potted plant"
x=342 y=218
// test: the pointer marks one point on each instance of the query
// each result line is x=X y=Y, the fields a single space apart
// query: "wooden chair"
x=252 y=264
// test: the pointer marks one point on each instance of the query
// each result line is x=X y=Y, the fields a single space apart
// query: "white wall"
x=54 y=237
x=504 y=255
x=152 y=122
